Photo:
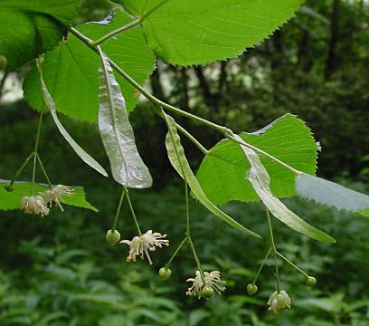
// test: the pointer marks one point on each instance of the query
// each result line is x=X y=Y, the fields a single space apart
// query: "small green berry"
x=251 y=289
x=207 y=292
x=311 y=281
x=9 y=187
x=164 y=273
x=112 y=237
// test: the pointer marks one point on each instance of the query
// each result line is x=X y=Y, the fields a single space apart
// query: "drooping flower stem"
x=189 y=239
x=44 y=171
x=136 y=221
x=176 y=252
x=132 y=211
x=47 y=177
x=262 y=265
x=274 y=249
x=192 y=139
x=292 y=264
x=19 y=171
x=35 y=151
x=188 y=233
x=118 y=210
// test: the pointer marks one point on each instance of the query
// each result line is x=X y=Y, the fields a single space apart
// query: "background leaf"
x=62 y=10
x=29 y=28
x=222 y=172
x=331 y=194
x=71 y=70
x=88 y=159
x=188 y=32
x=117 y=135
x=179 y=161
x=260 y=181
x=11 y=200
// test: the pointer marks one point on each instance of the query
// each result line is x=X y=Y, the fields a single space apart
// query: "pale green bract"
x=49 y=101
x=116 y=132
x=189 y=32
x=260 y=180
x=11 y=200
x=331 y=194
x=222 y=171
x=179 y=161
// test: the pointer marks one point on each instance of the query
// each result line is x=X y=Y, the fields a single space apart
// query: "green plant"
x=91 y=84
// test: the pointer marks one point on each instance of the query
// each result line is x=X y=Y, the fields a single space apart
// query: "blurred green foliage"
x=58 y=270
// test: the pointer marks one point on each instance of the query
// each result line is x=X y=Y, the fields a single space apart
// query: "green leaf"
x=260 y=181
x=179 y=161
x=11 y=200
x=331 y=194
x=188 y=32
x=222 y=172
x=71 y=70
x=88 y=159
x=29 y=28
x=117 y=135
x=62 y=10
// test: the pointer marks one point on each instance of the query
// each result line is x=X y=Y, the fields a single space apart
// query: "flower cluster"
x=54 y=195
x=40 y=204
x=211 y=280
x=34 y=205
x=279 y=300
x=148 y=241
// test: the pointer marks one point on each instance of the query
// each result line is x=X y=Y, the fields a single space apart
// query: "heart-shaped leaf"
x=188 y=32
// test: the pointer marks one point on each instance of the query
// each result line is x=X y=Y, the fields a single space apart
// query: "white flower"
x=34 y=205
x=279 y=300
x=211 y=279
x=54 y=195
x=148 y=241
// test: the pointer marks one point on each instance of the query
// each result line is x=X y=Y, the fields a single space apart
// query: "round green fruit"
x=251 y=289
x=9 y=187
x=207 y=292
x=164 y=273
x=112 y=237
x=311 y=281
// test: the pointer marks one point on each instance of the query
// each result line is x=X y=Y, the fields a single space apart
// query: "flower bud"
x=164 y=273
x=207 y=292
x=279 y=300
x=251 y=289
x=9 y=187
x=310 y=281
x=112 y=237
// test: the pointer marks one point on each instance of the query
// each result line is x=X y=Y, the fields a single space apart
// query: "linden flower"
x=148 y=241
x=34 y=205
x=211 y=279
x=54 y=195
x=279 y=300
